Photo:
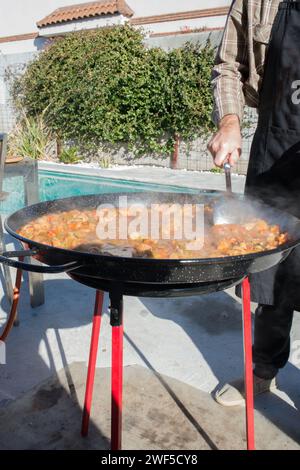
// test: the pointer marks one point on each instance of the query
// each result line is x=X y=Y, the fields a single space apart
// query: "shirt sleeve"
x=231 y=68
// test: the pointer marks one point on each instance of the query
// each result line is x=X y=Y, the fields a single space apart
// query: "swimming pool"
x=56 y=185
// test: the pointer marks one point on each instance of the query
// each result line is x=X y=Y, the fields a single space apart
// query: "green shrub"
x=30 y=138
x=105 y=161
x=69 y=155
x=105 y=87
x=216 y=170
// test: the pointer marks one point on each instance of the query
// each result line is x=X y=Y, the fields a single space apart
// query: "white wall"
x=20 y=16
x=87 y=23
x=158 y=7
x=184 y=25
x=21 y=47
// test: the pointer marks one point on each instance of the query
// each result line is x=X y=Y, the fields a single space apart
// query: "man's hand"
x=226 y=144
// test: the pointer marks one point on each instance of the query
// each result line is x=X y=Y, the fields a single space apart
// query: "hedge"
x=105 y=87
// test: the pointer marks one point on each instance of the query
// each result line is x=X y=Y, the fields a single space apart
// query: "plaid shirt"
x=239 y=66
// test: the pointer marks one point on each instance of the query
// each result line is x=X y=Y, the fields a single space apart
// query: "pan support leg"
x=8 y=286
x=92 y=362
x=116 y=321
x=31 y=193
x=248 y=364
x=12 y=317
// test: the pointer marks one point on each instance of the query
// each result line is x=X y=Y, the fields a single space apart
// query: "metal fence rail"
x=196 y=157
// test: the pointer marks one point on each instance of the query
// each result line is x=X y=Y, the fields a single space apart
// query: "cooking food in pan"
x=77 y=230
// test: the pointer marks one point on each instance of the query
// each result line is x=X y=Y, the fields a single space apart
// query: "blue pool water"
x=56 y=185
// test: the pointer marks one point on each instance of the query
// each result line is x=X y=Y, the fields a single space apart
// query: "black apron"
x=274 y=167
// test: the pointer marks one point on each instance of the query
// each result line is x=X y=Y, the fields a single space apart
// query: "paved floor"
x=160 y=413
x=192 y=179
x=195 y=341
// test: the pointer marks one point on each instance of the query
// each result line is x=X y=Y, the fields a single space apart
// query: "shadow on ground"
x=49 y=416
x=205 y=319
x=159 y=412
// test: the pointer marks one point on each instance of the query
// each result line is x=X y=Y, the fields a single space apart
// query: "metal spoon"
x=226 y=210
x=227 y=169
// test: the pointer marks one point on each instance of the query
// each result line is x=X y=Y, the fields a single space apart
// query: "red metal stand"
x=116 y=387
x=248 y=364
x=116 y=320
x=12 y=317
x=92 y=363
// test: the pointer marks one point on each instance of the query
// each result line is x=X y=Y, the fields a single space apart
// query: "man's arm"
x=229 y=74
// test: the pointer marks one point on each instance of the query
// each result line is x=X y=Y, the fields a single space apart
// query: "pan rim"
x=148 y=261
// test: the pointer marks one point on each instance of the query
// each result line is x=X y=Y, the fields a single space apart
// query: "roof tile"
x=86 y=10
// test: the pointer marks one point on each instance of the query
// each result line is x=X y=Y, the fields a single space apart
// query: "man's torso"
x=257 y=20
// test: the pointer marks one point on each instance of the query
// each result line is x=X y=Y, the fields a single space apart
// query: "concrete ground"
x=160 y=413
x=192 y=179
x=176 y=350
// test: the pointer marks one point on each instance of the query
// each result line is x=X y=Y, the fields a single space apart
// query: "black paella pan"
x=145 y=274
